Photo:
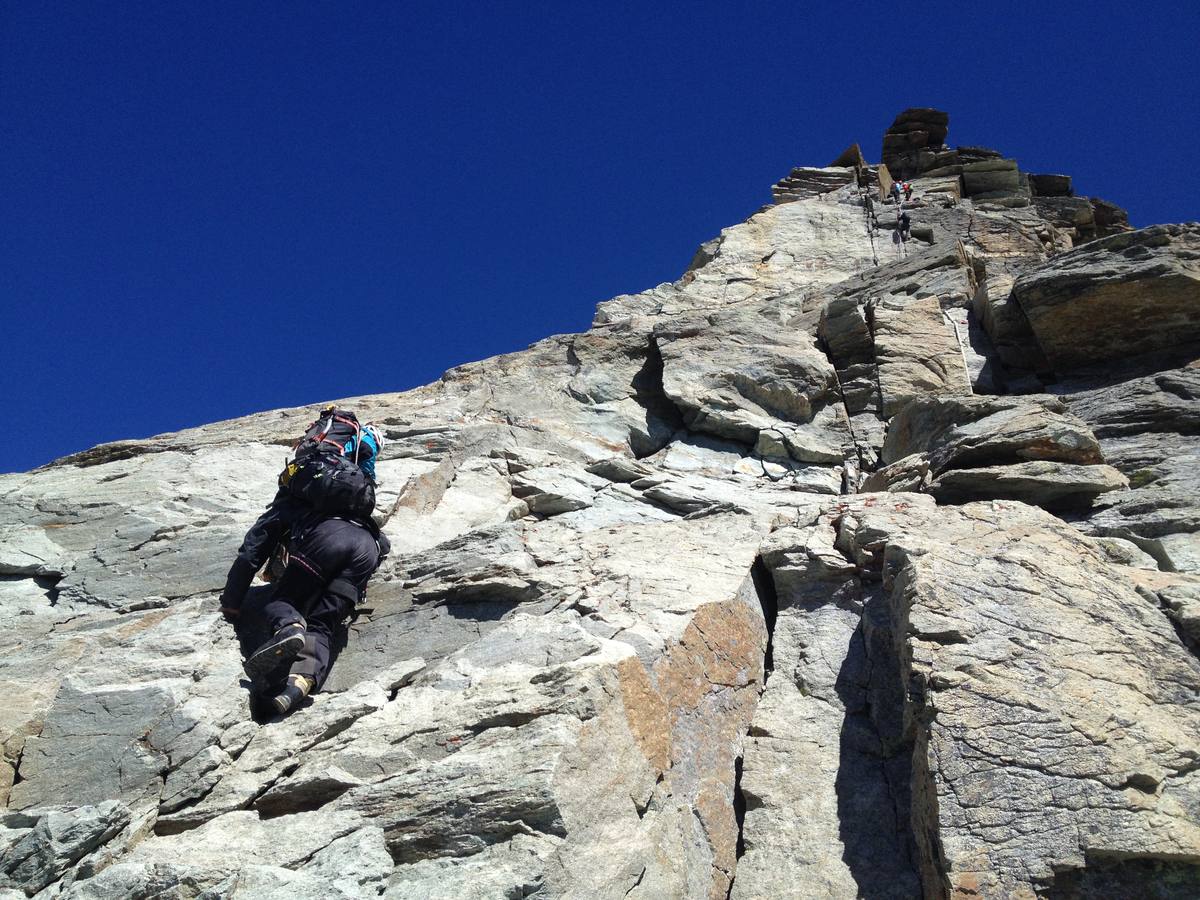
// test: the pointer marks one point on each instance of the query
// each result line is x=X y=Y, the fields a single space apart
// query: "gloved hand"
x=231 y=613
x=241 y=573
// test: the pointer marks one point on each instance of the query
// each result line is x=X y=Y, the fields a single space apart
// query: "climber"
x=907 y=191
x=329 y=563
x=896 y=192
x=905 y=225
x=307 y=482
x=323 y=509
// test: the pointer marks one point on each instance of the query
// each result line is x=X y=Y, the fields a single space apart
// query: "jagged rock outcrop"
x=837 y=567
x=914 y=150
x=1120 y=296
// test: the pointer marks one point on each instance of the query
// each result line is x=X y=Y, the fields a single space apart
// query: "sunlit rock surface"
x=838 y=567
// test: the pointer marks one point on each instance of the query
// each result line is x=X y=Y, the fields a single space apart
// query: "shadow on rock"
x=872 y=790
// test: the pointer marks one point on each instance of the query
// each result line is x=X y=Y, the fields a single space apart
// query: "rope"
x=868 y=215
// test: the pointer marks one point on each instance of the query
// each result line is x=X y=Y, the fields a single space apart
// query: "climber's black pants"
x=328 y=568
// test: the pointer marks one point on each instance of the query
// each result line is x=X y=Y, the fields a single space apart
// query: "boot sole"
x=264 y=659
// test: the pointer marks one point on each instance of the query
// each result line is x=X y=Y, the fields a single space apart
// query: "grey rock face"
x=1120 y=770
x=1122 y=295
x=39 y=846
x=695 y=604
x=1042 y=483
x=958 y=432
x=804 y=182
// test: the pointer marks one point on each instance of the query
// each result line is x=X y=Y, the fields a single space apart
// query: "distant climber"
x=905 y=226
x=322 y=545
x=907 y=191
x=896 y=192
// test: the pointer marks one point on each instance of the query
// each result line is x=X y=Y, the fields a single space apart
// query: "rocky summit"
x=844 y=565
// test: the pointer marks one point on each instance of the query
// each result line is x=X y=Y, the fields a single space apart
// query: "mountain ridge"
x=840 y=565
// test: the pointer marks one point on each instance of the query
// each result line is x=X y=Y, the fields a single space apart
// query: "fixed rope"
x=869 y=218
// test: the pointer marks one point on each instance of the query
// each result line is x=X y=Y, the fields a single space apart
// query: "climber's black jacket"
x=258 y=545
x=285 y=515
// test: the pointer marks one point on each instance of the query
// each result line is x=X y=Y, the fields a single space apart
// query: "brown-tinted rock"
x=852 y=156
x=1110 y=218
x=803 y=182
x=909 y=142
x=989 y=176
x=916 y=352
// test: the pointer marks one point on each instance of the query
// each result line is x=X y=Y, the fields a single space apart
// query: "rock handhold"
x=1041 y=483
x=1117 y=296
x=956 y=432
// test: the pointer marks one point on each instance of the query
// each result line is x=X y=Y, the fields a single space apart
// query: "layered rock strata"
x=833 y=568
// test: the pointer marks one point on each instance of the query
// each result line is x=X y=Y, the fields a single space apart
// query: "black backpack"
x=324 y=479
x=330 y=484
x=330 y=433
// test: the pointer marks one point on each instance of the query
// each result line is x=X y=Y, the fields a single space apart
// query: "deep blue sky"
x=209 y=209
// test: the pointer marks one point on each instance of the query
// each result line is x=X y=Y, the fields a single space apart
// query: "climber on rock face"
x=905 y=225
x=335 y=433
x=321 y=521
x=896 y=192
x=907 y=191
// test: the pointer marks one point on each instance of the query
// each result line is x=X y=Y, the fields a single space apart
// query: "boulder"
x=549 y=490
x=1051 y=185
x=1117 y=296
x=917 y=352
x=957 y=432
x=1048 y=484
x=990 y=176
x=763 y=380
x=911 y=134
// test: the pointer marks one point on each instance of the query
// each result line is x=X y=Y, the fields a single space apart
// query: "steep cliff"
x=840 y=566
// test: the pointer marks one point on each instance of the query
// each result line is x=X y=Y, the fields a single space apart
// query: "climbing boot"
x=297 y=689
x=284 y=646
